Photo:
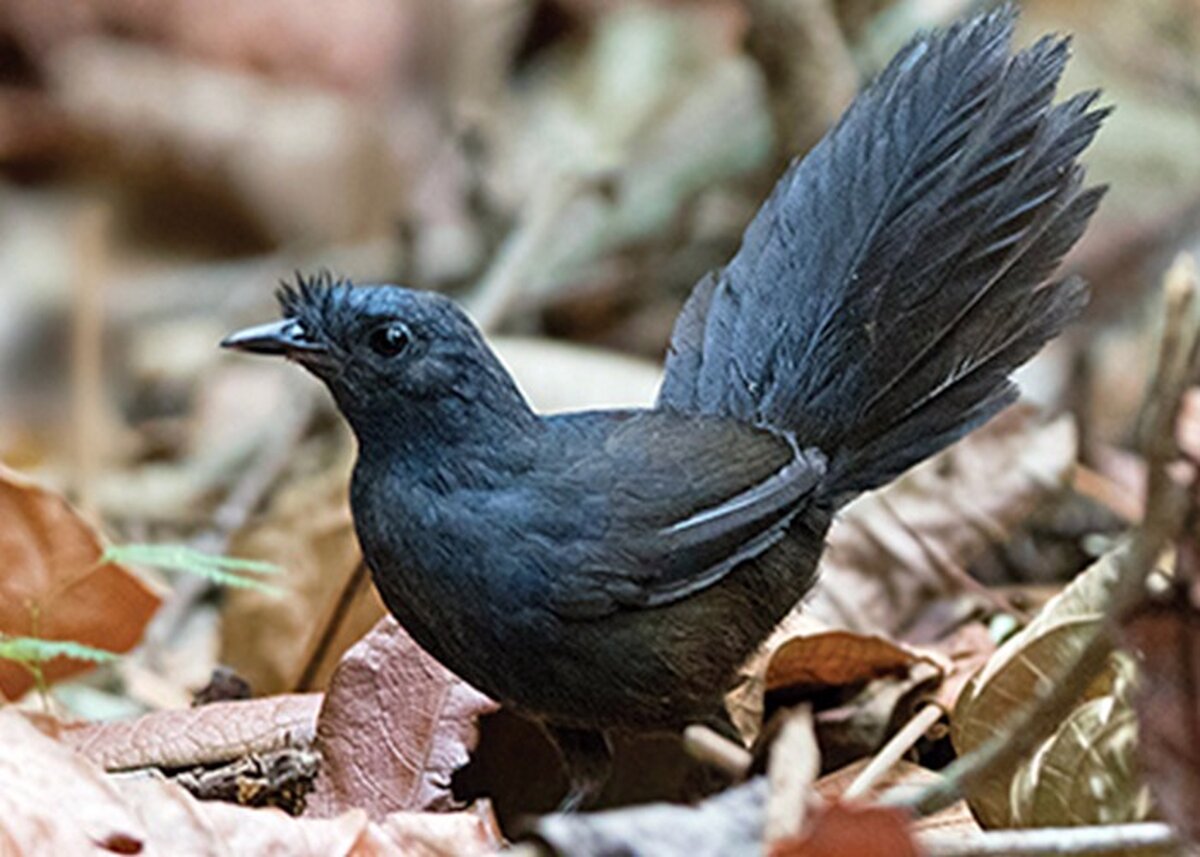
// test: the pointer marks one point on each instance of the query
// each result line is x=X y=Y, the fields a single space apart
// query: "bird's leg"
x=587 y=759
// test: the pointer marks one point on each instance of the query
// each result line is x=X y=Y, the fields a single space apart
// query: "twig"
x=333 y=624
x=87 y=335
x=523 y=251
x=1143 y=838
x=791 y=771
x=711 y=748
x=277 y=446
x=810 y=73
x=1136 y=560
x=893 y=751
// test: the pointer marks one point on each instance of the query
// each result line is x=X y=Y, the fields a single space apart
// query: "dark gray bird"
x=609 y=571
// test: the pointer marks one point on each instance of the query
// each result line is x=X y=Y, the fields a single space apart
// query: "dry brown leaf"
x=895 y=555
x=804 y=659
x=394 y=726
x=53 y=586
x=835 y=659
x=54 y=801
x=1012 y=676
x=852 y=830
x=1167 y=637
x=1085 y=773
x=432 y=834
x=198 y=736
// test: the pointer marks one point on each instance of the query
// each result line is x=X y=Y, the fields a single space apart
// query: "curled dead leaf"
x=836 y=659
x=394 y=726
x=1058 y=784
x=805 y=661
x=54 y=586
x=1085 y=773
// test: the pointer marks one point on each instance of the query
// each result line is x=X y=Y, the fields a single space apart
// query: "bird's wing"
x=685 y=500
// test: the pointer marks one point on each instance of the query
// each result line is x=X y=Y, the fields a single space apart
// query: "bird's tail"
x=898 y=274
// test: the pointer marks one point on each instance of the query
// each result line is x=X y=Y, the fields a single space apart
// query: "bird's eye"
x=390 y=339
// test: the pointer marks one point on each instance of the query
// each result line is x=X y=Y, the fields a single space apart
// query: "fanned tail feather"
x=898 y=275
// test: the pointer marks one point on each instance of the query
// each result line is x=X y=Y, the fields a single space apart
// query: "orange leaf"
x=52 y=586
x=852 y=830
x=835 y=659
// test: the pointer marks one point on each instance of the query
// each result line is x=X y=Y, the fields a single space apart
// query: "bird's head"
x=397 y=361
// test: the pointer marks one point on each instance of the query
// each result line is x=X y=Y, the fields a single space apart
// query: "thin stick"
x=792 y=769
x=713 y=749
x=522 y=251
x=87 y=337
x=1136 y=560
x=1144 y=837
x=893 y=751
x=333 y=624
x=277 y=447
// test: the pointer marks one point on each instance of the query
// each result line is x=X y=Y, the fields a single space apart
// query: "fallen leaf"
x=204 y=735
x=394 y=726
x=1011 y=677
x=852 y=830
x=802 y=661
x=835 y=659
x=54 y=587
x=54 y=801
x=1085 y=773
x=1166 y=636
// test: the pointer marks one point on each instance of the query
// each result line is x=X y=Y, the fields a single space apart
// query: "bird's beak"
x=283 y=338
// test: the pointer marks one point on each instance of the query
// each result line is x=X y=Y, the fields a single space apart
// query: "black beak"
x=280 y=338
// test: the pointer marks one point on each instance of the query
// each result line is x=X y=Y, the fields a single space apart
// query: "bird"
x=607 y=571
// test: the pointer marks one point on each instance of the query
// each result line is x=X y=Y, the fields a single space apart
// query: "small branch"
x=333 y=624
x=87 y=337
x=893 y=751
x=1135 y=560
x=1143 y=838
x=523 y=251
x=810 y=73
x=705 y=745
x=276 y=447
x=793 y=767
